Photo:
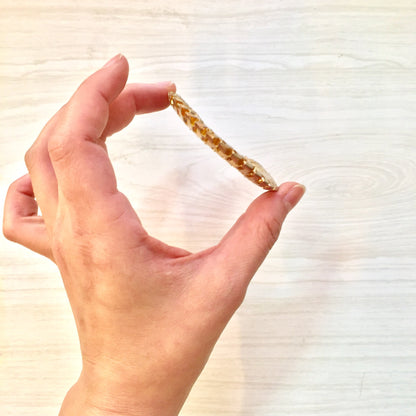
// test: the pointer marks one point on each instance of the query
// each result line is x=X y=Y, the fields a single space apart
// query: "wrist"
x=110 y=394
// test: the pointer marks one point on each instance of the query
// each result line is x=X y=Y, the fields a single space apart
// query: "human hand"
x=148 y=315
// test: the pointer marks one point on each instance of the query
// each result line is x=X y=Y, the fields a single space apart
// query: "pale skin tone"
x=148 y=315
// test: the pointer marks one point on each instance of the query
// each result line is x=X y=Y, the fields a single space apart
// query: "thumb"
x=248 y=242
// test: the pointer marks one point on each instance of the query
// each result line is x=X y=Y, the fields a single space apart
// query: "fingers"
x=69 y=161
x=246 y=245
x=137 y=99
x=78 y=156
x=87 y=111
x=82 y=118
x=101 y=106
x=21 y=222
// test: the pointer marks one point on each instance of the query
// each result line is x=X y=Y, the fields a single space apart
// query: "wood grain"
x=320 y=92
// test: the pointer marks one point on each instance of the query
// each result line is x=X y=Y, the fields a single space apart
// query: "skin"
x=148 y=315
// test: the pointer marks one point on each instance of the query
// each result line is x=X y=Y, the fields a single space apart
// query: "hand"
x=147 y=314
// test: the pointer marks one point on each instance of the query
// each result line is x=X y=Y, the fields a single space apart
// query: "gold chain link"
x=251 y=169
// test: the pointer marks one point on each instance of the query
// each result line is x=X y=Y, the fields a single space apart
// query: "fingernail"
x=294 y=195
x=169 y=85
x=113 y=60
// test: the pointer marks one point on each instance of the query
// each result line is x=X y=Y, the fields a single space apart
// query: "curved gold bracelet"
x=251 y=169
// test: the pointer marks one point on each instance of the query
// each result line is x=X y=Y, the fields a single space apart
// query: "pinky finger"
x=21 y=222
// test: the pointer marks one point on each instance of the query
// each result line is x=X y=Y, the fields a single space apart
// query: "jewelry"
x=251 y=169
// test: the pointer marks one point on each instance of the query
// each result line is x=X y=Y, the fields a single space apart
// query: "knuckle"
x=9 y=217
x=30 y=156
x=59 y=150
x=237 y=296
x=270 y=232
x=9 y=228
x=229 y=289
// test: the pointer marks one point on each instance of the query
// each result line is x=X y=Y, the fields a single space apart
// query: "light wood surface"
x=321 y=92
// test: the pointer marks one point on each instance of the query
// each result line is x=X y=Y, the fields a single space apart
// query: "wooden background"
x=321 y=92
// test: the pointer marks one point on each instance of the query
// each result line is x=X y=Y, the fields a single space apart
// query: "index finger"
x=101 y=106
x=137 y=99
